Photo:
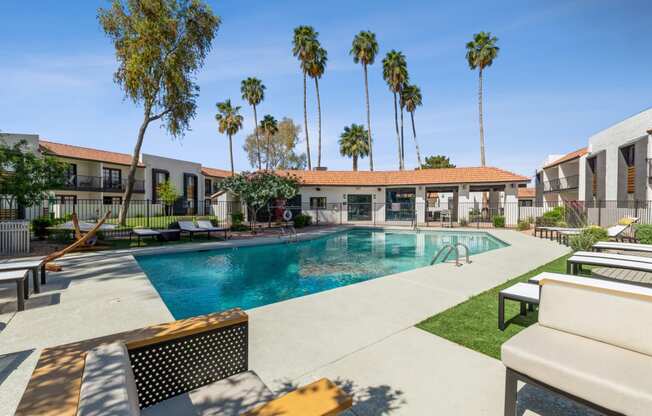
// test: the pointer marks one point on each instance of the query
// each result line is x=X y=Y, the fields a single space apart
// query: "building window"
x=67 y=199
x=112 y=200
x=190 y=192
x=628 y=155
x=594 y=178
x=158 y=177
x=318 y=202
x=208 y=187
x=525 y=203
x=112 y=178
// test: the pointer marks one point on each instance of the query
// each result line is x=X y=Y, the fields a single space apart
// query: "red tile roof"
x=85 y=153
x=567 y=157
x=526 y=192
x=406 y=177
x=215 y=173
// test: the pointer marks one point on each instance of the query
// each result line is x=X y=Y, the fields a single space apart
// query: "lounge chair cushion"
x=108 y=387
x=610 y=312
x=612 y=377
x=229 y=397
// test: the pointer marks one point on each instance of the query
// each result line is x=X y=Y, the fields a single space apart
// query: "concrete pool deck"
x=362 y=335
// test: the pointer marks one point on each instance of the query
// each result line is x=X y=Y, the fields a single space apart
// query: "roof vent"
x=322 y=168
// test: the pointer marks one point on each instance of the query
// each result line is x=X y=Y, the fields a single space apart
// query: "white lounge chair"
x=190 y=228
x=617 y=261
x=590 y=345
x=613 y=245
x=613 y=232
x=144 y=232
x=208 y=226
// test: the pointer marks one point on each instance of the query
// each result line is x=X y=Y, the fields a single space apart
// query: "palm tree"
x=253 y=91
x=229 y=122
x=315 y=69
x=303 y=47
x=480 y=53
x=354 y=143
x=396 y=75
x=411 y=99
x=364 y=50
x=269 y=127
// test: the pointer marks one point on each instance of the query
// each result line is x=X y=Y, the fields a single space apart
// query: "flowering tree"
x=258 y=188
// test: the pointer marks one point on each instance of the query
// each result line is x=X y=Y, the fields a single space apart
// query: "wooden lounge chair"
x=190 y=228
x=208 y=226
x=195 y=366
x=591 y=345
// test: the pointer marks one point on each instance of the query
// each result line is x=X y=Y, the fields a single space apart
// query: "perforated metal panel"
x=174 y=367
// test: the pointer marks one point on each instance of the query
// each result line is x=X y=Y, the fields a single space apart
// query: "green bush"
x=302 y=220
x=464 y=222
x=237 y=218
x=523 y=225
x=552 y=218
x=644 y=233
x=585 y=240
x=499 y=221
x=40 y=226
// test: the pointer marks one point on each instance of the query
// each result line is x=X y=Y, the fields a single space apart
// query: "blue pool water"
x=196 y=283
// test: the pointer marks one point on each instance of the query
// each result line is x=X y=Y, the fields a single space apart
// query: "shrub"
x=644 y=233
x=302 y=220
x=499 y=221
x=585 y=240
x=464 y=222
x=523 y=225
x=237 y=218
x=40 y=226
x=552 y=218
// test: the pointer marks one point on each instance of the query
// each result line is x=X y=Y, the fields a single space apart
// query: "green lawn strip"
x=474 y=322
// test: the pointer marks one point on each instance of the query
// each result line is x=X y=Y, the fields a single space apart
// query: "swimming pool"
x=196 y=283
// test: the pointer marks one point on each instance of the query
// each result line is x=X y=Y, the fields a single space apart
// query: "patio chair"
x=195 y=366
x=208 y=226
x=614 y=245
x=145 y=232
x=611 y=260
x=590 y=345
x=613 y=232
x=190 y=228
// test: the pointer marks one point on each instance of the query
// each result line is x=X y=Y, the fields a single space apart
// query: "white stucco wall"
x=176 y=168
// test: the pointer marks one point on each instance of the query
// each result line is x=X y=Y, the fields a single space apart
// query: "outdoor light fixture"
x=379 y=189
x=318 y=189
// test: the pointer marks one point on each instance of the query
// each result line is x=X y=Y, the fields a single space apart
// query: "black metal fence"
x=150 y=214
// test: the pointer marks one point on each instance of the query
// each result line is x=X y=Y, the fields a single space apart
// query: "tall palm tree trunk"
x=355 y=163
x=398 y=134
x=318 y=123
x=482 y=158
x=269 y=151
x=131 y=176
x=260 y=164
x=231 y=154
x=402 y=142
x=416 y=143
x=366 y=94
x=305 y=120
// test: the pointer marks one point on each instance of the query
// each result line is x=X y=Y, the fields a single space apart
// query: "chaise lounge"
x=208 y=226
x=197 y=366
x=589 y=345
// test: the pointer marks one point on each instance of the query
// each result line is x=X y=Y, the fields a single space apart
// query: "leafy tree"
x=269 y=126
x=364 y=50
x=354 y=143
x=258 y=188
x=253 y=91
x=480 y=54
x=411 y=99
x=229 y=122
x=437 y=162
x=160 y=45
x=396 y=75
x=167 y=192
x=281 y=152
x=315 y=68
x=303 y=47
x=26 y=177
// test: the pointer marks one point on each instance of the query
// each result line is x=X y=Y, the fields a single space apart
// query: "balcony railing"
x=561 y=184
x=95 y=184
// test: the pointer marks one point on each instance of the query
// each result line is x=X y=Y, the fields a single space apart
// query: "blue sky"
x=566 y=69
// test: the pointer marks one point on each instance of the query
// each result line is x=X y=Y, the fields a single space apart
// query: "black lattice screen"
x=173 y=367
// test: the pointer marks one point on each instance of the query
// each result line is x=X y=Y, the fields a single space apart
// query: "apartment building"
x=615 y=166
x=101 y=175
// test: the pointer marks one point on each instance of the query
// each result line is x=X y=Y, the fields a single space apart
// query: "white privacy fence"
x=14 y=237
